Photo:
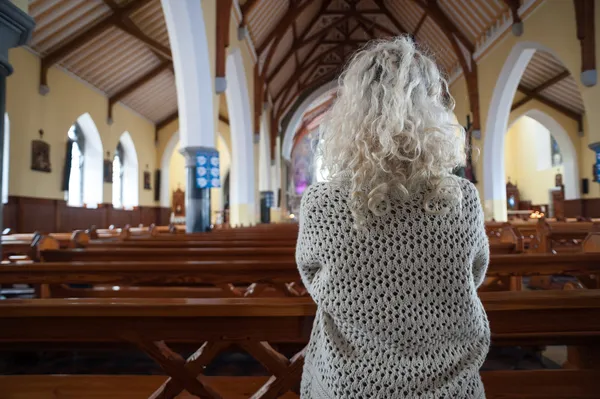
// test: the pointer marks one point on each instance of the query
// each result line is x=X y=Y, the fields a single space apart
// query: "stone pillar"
x=15 y=30
x=197 y=200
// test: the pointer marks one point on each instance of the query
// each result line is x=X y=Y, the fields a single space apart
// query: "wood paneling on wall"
x=26 y=215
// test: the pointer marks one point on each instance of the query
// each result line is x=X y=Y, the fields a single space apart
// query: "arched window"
x=74 y=166
x=126 y=192
x=5 y=160
x=83 y=169
x=117 y=177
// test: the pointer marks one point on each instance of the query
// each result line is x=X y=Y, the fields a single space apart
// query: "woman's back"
x=399 y=315
x=394 y=248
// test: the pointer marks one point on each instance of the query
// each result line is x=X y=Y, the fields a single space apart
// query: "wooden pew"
x=561 y=236
x=522 y=318
x=160 y=279
x=243 y=278
x=173 y=254
x=22 y=244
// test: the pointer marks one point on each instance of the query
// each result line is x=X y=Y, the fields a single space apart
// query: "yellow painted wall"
x=177 y=178
x=521 y=157
x=55 y=113
x=540 y=27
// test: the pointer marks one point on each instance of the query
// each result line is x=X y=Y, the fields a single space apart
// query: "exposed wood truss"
x=534 y=94
x=540 y=88
x=584 y=14
x=116 y=18
x=468 y=65
x=370 y=21
x=223 y=17
x=514 y=10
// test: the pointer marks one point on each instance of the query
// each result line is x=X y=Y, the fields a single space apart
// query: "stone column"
x=15 y=30
x=197 y=200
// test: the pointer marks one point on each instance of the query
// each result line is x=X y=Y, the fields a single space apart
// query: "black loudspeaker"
x=157 y=185
x=585 y=186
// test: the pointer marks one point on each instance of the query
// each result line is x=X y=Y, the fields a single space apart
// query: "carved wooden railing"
x=253 y=325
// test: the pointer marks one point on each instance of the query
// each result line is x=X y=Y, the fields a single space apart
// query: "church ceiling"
x=121 y=47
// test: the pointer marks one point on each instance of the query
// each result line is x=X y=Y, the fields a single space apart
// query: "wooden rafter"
x=558 y=107
x=248 y=7
x=391 y=17
x=514 y=10
x=95 y=30
x=223 y=18
x=420 y=24
x=301 y=42
x=133 y=86
x=127 y=26
x=348 y=12
x=171 y=118
x=308 y=63
x=112 y=4
x=584 y=15
x=550 y=82
x=283 y=24
x=468 y=65
x=374 y=24
x=448 y=27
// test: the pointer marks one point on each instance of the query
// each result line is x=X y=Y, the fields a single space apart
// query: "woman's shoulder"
x=321 y=194
x=468 y=188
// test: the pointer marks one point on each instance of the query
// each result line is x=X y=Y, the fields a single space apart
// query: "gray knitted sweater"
x=398 y=312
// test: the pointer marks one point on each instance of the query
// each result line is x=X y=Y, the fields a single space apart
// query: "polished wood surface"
x=182 y=272
x=150 y=254
x=521 y=318
x=535 y=384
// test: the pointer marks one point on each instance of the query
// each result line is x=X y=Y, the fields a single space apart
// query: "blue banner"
x=207 y=169
x=597 y=166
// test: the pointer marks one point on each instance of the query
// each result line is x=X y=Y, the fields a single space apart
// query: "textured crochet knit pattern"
x=398 y=312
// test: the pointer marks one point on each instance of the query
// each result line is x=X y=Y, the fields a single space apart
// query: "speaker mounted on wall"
x=157 y=185
x=585 y=186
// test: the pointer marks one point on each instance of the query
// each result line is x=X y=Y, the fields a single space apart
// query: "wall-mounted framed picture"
x=108 y=171
x=40 y=156
x=147 y=180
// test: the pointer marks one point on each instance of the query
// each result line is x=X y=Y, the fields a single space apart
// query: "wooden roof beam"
x=517 y=26
x=171 y=118
x=283 y=25
x=420 y=25
x=391 y=16
x=222 y=43
x=247 y=8
x=584 y=15
x=308 y=63
x=301 y=42
x=468 y=65
x=550 y=82
x=348 y=12
x=95 y=30
x=129 y=27
x=118 y=96
x=112 y=4
x=444 y=22
x=374 y=24
x=558 y=107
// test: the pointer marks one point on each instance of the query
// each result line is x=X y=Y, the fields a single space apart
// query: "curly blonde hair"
x=391 y=131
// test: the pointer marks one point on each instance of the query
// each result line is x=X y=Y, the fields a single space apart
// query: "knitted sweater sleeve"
x=482 y=246
x=307 y=249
